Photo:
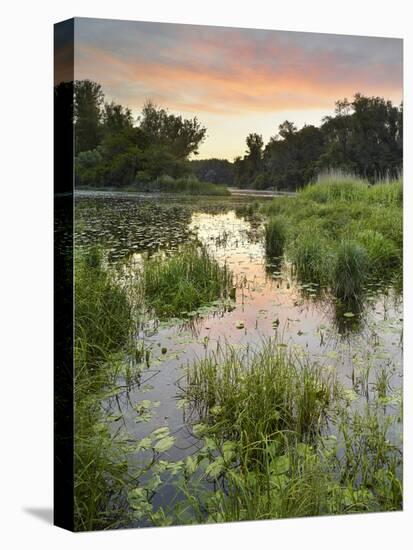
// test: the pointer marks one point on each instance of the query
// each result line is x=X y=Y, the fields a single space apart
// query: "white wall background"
x=26 y=272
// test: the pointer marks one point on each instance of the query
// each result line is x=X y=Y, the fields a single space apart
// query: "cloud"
x=231 y=73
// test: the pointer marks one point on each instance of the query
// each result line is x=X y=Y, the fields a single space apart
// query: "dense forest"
x=364 y=137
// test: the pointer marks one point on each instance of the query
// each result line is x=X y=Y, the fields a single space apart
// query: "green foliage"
x=103 y=326
x=257 y=396
x=311 y=256
x=176 y=285
x=213 y=170
x=364 y=137
x=110 y=151
x=103 y=315
x=181 y=136
x=349 y=270
x=275 y=236
x=262 y=417
x=184 y=185
x=88 y=100
x=336 y=187
x=343 y=232
x=382 y=253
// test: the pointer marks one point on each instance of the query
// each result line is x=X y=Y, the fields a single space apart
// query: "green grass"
x=104 y=324
x=255 y=395
x=311 y=256
x=349 y=271
x=262 y=421
x=176 y=285
x=341 y=209
x=275 y=236
x=103 y=313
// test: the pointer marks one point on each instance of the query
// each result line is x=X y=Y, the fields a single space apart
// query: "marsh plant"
x=104 y=327
x=343 y=232
x=275 y=236
x=179 y=284
x=262 y=417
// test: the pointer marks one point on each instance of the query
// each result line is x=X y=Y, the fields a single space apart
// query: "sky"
x=235 y=81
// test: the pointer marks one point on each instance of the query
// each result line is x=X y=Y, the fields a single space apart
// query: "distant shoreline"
x=234 y=192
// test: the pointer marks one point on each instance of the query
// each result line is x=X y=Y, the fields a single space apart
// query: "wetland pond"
x=269 y=302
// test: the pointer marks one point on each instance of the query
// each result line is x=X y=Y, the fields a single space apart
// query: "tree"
x=88 y=102
x=116 y=118
x=181 y=136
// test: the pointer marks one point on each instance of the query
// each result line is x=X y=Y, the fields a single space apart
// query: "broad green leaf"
x=164 y=444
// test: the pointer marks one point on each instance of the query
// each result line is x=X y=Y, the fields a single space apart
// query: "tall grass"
x=263 y=417
x=350 y=270
x=103 y=314
x=343 y=232
x=311 y=256
x=104 y=324
x=257 y=394
x=176 y=285
x=275 y=236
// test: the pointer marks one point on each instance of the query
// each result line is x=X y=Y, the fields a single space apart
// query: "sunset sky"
x=235 y=81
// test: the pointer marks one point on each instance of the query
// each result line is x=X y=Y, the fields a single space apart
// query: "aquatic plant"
x=260 y=421
x=349 y=270
x=256 y=394
x=275 y=236
x=176 y=285
x=103 y=314
x=104 y=324
x=382 y=253
x=312 y=258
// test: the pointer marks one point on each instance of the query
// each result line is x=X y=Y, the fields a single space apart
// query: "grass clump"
x=275 y=236
x=104 y=324
x=311 y=257
x=176 y=285
x=382 y=253
x=255 y=395
x=103 y=314
x=336 y=188
x=349 y=271
x=263 y=422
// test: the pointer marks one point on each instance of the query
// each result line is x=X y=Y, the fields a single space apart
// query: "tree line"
x=364 y=137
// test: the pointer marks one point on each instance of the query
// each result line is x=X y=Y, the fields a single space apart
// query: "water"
x=269 y=302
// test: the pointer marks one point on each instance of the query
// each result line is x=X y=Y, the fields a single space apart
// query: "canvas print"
x=229 y=306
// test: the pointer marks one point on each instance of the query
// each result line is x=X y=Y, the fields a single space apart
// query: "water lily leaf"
x=164 y=444
x=190 y=465
x=159 y=433
x=138 y=500
x=144 y=444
